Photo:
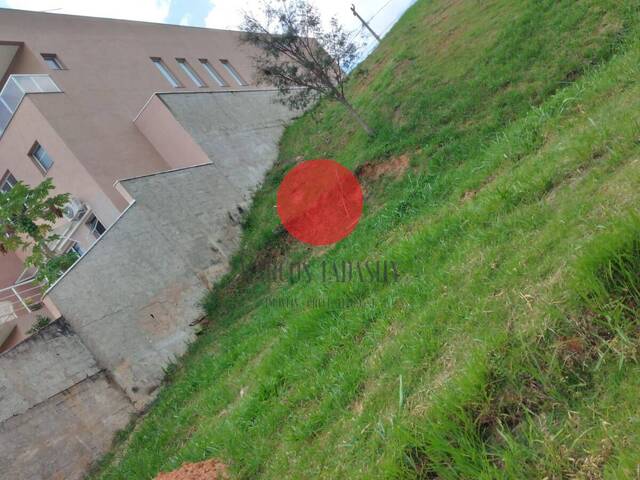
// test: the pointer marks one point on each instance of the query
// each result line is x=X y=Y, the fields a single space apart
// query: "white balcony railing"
x=14 y=90
x=19 y=299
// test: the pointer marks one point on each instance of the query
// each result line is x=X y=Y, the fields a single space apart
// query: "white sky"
x=145 y=10
x=222 y=14
x=228 y=13
x=225 y=14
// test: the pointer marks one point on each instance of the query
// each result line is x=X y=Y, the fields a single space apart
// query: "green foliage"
x=27 y=218
x=54 y=267
x=509 y=347
x=41 y=323
x=300 y=56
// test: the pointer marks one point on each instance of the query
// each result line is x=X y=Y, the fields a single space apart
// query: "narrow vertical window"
x=233 y=72
x=52 y=61
x=190 y=72
x=166 y=73
x=213 y=73
x=40 y=156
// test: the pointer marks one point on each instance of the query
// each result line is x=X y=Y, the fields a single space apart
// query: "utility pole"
x=353 y=9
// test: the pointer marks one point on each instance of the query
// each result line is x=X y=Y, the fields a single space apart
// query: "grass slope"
x=508 y=347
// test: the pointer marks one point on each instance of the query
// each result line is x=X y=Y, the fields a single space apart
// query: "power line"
x=395 y=20
x=364 y=22
x=359 y=31
x=381 y=8
x=355 y=33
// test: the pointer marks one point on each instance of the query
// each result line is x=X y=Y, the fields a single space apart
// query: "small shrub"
x=42 y=322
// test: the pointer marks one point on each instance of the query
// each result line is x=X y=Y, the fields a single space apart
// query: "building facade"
x=81 y=103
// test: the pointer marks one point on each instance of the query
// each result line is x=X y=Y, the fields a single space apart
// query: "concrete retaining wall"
x=59 y=439
x=133 y=297
x=58 y=410
x=238 y=131
x=132 y=300
x=26 y=374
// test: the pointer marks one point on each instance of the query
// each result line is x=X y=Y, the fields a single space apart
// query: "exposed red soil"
x=395 y=167
x=208 y=470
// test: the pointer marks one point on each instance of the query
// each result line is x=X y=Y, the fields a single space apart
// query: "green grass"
x=508 y=347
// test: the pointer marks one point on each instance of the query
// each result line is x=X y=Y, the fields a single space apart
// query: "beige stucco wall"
x=10 y=268
x=109 y=79
x=170 y=139
x=69 y=173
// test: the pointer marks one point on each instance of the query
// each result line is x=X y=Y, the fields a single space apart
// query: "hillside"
x=504 y=182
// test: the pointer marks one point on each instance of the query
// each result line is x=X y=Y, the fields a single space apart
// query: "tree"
x=302 y=60
x=27 y=219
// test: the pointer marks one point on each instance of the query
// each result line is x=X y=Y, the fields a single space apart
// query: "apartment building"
x=81 y=103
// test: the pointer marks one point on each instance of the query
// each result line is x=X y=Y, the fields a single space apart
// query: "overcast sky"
x=214 y=13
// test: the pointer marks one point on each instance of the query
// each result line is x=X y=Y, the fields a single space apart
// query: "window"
x=234 y=73
x=213 y=72
x=8 y=182
x=77 y=249
x=52 y=61
x=191 y=73
x=166 y=73
x=95 y=226
x=41 y=157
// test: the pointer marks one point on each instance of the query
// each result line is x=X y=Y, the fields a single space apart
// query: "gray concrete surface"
x=132 y=300
x=60 y=438
x=44 y=365
x=239 y=131
x=133 y=297
x=58 y=410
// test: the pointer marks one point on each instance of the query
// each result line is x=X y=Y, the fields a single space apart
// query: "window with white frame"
x=213 y=73
x=96 y=227
x=40 y=156
x=77 y=249
x=8 y=182
x=166 y=73
x=190 y=72
x=233 y=72
x=52 y=61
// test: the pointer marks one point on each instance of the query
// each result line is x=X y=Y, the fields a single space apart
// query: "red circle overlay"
x=320 y=202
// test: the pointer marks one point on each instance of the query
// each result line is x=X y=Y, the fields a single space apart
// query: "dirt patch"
x=571 y=179
x=275 y=252
x=209 y=470
x=591 y=466
x=471 y=194
x=394 y=167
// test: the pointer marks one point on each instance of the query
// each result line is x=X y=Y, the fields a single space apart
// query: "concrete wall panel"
x=133 y=297
x=60 y=438
x=42 y=366
x=239 y=131
x=58 y=409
